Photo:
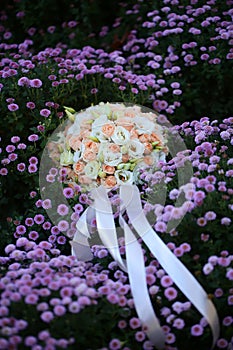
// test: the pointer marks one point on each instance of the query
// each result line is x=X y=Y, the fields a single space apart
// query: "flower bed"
x=95 y=297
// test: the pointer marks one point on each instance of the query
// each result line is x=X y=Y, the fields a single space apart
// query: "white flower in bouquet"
x=143 y=125
x=121 y=135
x=66 y=158
x=135 y=149
x=91 y=169
x=124 y=177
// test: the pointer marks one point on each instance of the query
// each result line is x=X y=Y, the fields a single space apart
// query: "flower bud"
x=69 y=109
x=70 y=115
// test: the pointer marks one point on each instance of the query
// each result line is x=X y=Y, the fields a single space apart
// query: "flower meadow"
x=170 y=56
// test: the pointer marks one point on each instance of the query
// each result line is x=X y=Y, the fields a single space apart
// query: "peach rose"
x=91 y=146
x=125 y=123
x=75 y=143
x=83 y=179
x=114 y=148
x=110 y=181
x=148 y=160
x=155 y=138
x=133 y=134
x=130 y=113
x=89 y=155
x=144 y=138
x=78 y=167
x=108 y=169
x=148 y=148
x=84 y=134
x=125 y=158
x=108 y=129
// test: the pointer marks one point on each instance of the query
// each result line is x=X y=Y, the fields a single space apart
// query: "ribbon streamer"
x=134 y=264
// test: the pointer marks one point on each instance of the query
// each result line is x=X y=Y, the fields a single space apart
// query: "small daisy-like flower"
x=94 y=91
x=47 y=316
x=30 y=105
x=33 y=235
x=39 y=219
x=33 y=160
x=166 y=281
x=32 y=168
x=170 y=293
x=47 y=204
x=68 y=192
x=208 y=268
x=21 y=229
x=114 y=344
x=62 y=209
x=134 y=323
x=15 y=139
x=36 y=83
x=33 y=138
x=21 y=167
x=197 y=330
x=225 y=221
x=201 y=221
x=45 y=112
x=13 y=107
x=3 y=171
x=29 y=222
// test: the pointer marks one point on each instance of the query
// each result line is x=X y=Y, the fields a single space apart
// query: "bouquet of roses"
x=107 y=144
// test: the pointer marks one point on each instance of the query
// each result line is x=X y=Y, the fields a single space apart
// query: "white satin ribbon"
x=180 y=275
x=139 y=290
x=134 y=264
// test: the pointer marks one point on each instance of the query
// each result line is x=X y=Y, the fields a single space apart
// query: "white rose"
x=143 y=125
x=112 y=158
x=91 y=169
x=101 y=109
x=97 y=128
x=120 y=136
x=99 y=122
x=135 y=148
x=66 y=158
x=124 y=176
x=108 y=157
x=75 y=128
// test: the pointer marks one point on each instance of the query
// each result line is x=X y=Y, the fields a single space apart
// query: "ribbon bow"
x=134 y=262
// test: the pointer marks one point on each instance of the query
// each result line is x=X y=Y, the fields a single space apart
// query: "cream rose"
x=121 y=136
x=108 y=156
x=135 y=148
x=80 y=118
x=112 y=159
x=97 y=128
x=91 y=169
x=66 y=158
x=123 y=177
x=143 y=125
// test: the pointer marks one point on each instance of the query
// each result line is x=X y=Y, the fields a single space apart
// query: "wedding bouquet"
x=107 y=144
